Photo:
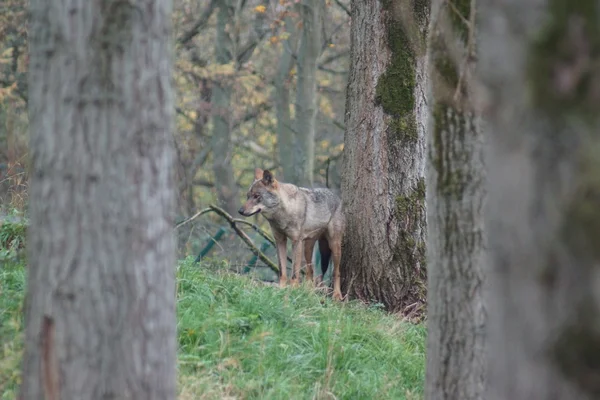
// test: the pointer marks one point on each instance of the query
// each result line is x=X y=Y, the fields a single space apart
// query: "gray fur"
x=303 y=215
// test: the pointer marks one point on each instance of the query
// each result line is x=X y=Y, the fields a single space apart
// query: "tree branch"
x=232 y=222
x=343 y=7
x=257 y=229
x=193 y=217
x=332 y=71
x=334 y=57
x=245 y=238
x=198 y=26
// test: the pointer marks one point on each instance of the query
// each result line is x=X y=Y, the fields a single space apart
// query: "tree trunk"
x=455 y=195
x=383 y=255
x=541 y=73
x=100 y=307
x=306 y=93
x=225 y=183
x=285 y=133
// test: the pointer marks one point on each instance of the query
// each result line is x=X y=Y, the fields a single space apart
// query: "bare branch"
x=333 y=57
x=232 y=222
x=328 y=39
x=338 y=124
x=203 y=182
x=245 y=238
x=252 y=114
x=198 y=26
x=260 y=232
x=343 y=7
x=257 y=229
x=259 y=33
x=253 y=147
x=331 y=71
x=193 y=217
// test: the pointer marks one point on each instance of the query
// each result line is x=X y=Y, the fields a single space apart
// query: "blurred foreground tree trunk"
x=455 y=195
x=539 y=64
x=306 y=92
x=100 y=307
x=222 y=147
x=383 y=255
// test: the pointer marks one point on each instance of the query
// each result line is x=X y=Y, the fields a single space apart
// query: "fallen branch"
x=193 y=217
x=256 y=229
x=244 y=236
x=232 y=221
x=261 y=233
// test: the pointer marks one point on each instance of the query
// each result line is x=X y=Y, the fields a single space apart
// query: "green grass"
x=241 y=339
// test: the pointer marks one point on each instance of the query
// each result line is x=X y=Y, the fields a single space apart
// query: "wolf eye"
x=256 y=196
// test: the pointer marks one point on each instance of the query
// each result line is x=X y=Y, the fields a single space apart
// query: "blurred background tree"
x=237 y=70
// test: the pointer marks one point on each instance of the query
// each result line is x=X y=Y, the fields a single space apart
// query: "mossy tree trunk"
x=455 y=195
x=222 y=147
x=100 y=307
x=306 y=92
x=383 y=191
x=541 y=73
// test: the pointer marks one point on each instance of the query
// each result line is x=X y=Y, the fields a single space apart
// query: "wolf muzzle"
x=243 y=212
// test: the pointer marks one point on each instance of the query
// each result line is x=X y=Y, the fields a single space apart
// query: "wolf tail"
x=325 y=255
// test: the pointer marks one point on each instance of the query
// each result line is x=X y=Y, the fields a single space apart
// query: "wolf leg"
x=309 y=246
x=281 y=241
x=336 y=249
x=297 y=261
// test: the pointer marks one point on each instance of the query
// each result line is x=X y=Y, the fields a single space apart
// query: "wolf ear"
x=258 y=173
x=267 y=178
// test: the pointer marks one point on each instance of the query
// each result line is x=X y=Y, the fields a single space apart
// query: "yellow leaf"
x=260 y=9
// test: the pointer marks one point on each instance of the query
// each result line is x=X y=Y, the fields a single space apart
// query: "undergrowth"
x=242 y=339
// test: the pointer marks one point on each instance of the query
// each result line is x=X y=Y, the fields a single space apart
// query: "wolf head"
x=263 y=195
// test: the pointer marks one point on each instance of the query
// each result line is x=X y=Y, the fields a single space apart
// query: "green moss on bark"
x=395 y=88
x=447 y=111
x=409 y=211
x=563 y=65
x=408 y=204
x=411 y=251
x=451 y=178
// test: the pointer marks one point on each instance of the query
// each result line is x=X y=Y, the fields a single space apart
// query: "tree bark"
x=100 y=307
x=306 y=93
x=455 y=195
x=285 y=133
x=541 y=73
x=383 y=191
x=225 y=183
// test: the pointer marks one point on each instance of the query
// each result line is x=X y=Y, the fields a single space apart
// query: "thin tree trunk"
x=285 y=133
x=225 y=183
x=541 y=73
x=455 y=195
x=383 y=191
x=100 y=307
x=306 y=93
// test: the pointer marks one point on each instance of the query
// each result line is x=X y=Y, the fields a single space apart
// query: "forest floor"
x=242 y=339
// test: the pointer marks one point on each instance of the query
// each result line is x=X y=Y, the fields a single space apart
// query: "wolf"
x=305 y=216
